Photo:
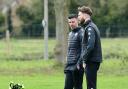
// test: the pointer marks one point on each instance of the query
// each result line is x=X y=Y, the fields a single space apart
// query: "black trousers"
x=74 y=79
x=91 y=74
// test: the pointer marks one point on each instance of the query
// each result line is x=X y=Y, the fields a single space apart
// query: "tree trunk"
x=61 y=13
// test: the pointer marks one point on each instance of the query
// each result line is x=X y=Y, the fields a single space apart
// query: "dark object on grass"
x=15 y=86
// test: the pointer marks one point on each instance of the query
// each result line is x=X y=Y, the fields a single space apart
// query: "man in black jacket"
x=74 y=76
x=91 y=53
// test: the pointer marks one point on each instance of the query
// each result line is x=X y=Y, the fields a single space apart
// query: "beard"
x=82 y=21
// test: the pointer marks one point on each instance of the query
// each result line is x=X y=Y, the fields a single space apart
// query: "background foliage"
x=110 y=16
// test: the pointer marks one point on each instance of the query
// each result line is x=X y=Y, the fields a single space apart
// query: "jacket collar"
x=86 y=23
x=76 y=29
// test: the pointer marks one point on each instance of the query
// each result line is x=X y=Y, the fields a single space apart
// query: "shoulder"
x=93 y=25
x=80 y=29
x=90 y=31
x=90 y=28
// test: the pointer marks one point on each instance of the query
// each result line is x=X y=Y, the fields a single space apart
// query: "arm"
x=88 y=45
x=80 y=39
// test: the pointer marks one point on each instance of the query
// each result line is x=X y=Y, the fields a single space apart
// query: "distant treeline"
x=111 y=16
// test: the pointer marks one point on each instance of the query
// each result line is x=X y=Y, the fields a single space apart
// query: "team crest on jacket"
x=76 y=34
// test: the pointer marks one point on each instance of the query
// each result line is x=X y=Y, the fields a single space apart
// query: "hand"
x=84 y=65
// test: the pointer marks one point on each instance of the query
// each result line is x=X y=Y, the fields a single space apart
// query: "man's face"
x=73 y=23
x=81 y=18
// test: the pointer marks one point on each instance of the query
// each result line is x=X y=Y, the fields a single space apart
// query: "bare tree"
x=61 y=13
x=8 y=5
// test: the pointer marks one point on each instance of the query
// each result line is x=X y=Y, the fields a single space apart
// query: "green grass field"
x=57 y=82
x=45 y=75
x=24 y=49
x=23 y=65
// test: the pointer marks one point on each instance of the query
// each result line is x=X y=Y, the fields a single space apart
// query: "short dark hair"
x=85 y=9
x=72 y=16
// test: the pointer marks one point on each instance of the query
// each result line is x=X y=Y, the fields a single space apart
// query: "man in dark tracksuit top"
x=91 y=46
x=73 y=76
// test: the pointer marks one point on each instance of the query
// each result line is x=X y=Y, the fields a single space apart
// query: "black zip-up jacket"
x=91 y=44
x=74 y=48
